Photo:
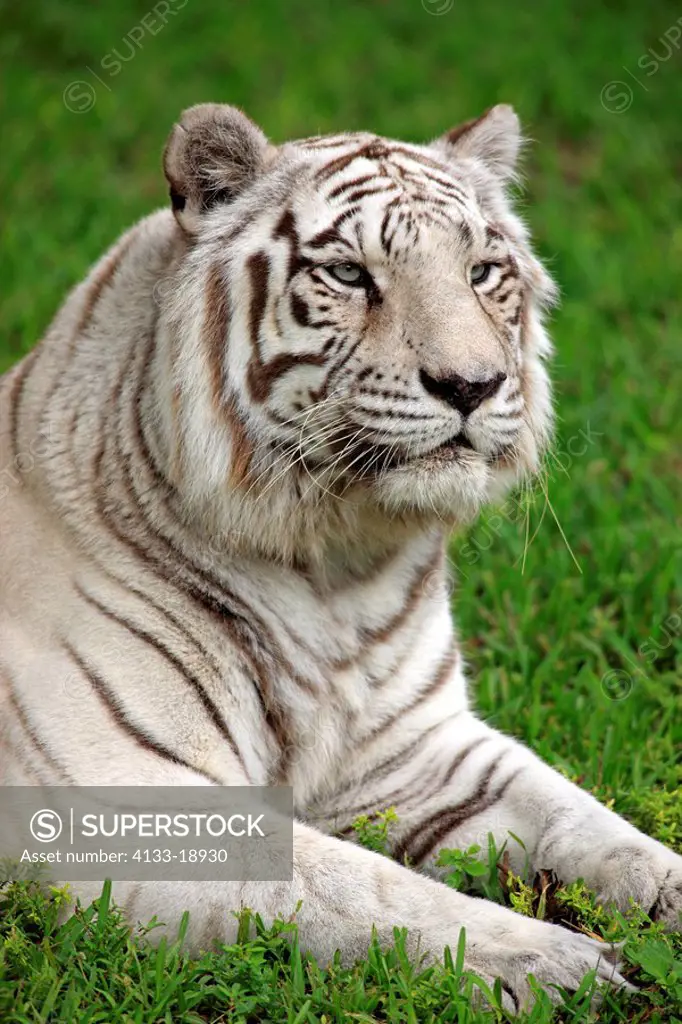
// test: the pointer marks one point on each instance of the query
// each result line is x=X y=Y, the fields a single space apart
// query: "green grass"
x=582 y=665
x=91 y=969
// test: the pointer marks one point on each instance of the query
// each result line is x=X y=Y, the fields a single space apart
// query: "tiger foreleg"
x=340 y=891
x=470 y=780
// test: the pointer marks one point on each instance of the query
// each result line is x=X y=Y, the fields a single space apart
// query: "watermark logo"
x=148 y=833
x=80 y=96
x=617 y=684
x=46 y=825
x=616 y=96
x=438 y=7
x=518 y=507
x=439 y=583
x=24 y=462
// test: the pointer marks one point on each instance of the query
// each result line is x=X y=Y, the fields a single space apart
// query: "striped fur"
x=229 y=477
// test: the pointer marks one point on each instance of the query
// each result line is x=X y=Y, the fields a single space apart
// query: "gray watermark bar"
x=146 y=833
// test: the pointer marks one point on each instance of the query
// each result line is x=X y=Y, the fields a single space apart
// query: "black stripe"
x=331 y=234
x=159 y=554
x=215 y=333
x=385 y=767
x=466 y=235
x=440 y=678
x=173 y=619
x=110 y=701
x=286 y=228
x=30 y=730
x=327 y=141
x=456 y=818
x=384 y=237
x=509 y=271
x=339 y=164
x=258 y=268
x=516 y=315
x=492 y=235
x=361 y=193
x=344 y=358
x=440 y=822
x=415 y=591
x=161 y=648
x=422 y=839
x=419 y=158
x=446 y=186
x=22 y=763
x=300 y=310
x=461 y=758
x=166 y=489
x=61 y=379
x=401 y=797
x=229 y=612
x=21 y=376
x=346 y=186
x=218 y=607
x=274 y=718
x=101 y=283
x=260 y=375
x=425 y=795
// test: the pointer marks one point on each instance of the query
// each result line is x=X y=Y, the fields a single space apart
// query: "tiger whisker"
x=353 y=438
x=302 y=455
x=290 y=450
x=322 y=436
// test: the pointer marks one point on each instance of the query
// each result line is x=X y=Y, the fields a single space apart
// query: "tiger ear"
x=494 y=139
x=212 y=154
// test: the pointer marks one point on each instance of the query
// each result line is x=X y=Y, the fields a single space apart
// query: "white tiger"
x=232 y=467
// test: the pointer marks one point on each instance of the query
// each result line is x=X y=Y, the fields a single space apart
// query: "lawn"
x=569 y=601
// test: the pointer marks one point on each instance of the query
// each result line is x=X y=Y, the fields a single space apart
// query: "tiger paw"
x=643 y=871
x=558 y=959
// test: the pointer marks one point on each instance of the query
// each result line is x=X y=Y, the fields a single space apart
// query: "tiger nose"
x=462 y=394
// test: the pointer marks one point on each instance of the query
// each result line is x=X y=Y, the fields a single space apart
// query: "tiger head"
x=359 y=319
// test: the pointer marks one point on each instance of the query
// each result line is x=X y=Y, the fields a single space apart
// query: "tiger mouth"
x=369 y=461
x=460 y=441
x=448 y=451
x=451 y=451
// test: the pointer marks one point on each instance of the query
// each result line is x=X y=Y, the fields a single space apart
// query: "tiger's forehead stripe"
x=345 y=186
x=382 y=152
x=331 y=235
x=416 y=188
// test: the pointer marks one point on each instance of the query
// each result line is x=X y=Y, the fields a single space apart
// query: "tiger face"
x=373 y=307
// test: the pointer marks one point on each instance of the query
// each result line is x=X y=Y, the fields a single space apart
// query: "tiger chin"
x=231 y=467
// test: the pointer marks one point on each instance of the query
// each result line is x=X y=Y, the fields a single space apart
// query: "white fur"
x=337 y=585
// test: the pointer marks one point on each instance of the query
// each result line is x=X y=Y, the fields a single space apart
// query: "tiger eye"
x=347 y=273
x=479 y=273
